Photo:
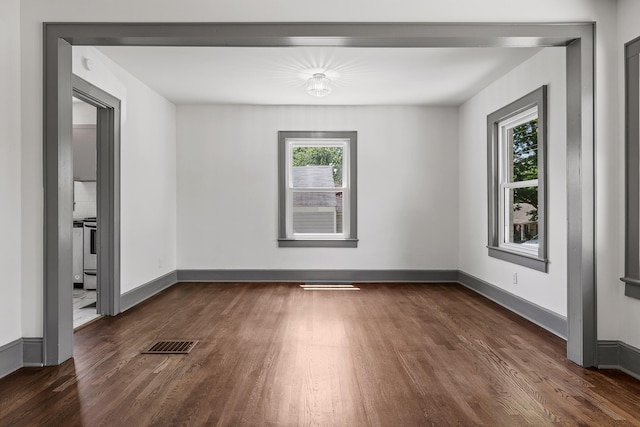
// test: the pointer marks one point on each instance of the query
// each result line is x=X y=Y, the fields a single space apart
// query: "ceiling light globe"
x=319 y=85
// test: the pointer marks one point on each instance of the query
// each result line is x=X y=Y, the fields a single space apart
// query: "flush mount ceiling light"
x=319 y=85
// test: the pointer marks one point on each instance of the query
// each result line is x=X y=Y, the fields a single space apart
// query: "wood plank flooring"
x=277 y=355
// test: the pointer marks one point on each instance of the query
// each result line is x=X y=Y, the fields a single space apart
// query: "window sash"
x=504 y=142
x=520 y=184
x=314 y=142
x=319 y=236
x=505 y=223
x=506 y=182
x=344 y=189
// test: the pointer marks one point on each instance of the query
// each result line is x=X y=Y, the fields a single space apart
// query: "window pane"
x=317 y=166
x=317 y=212
x=523 y=141
x=522 y=216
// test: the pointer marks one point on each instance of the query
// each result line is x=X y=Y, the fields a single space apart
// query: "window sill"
x=317 y=243
x=531 y=252
x=519 y=258
x=631 y=287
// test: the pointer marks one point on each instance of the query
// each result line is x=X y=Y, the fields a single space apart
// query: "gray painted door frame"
x=108 y=192
x=58 y=189
x=577 y=38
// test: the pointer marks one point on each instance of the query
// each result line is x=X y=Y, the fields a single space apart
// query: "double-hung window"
x=317 y=189
x=517 y=231
x=518 y=196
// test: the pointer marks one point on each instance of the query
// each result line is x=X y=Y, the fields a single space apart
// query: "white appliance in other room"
x=90 y=254
x=78 y=252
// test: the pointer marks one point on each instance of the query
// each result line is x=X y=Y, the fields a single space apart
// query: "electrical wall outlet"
x=515 y=278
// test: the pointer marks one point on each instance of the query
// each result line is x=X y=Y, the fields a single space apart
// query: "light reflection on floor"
x=81 y=313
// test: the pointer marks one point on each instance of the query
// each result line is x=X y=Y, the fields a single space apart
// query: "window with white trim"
x=518 y=196
x=517 y=230
x=317 y=189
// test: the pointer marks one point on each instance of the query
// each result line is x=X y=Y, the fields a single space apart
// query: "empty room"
x=278 y=214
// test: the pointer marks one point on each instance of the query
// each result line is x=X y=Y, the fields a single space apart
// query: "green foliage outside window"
x=320 y=156
x=525 y=164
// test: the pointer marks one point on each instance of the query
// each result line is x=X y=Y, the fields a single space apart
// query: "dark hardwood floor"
x=276 y=355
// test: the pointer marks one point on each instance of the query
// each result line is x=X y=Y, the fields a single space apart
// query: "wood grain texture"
x=277 y=355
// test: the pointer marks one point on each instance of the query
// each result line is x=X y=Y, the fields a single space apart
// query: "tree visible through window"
x=522 y=180
x=326 y=156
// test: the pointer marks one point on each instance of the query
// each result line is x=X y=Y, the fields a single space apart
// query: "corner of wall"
x=548 y=290
x=11 y=222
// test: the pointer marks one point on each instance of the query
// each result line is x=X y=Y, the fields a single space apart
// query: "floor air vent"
x=171 y=347
x=328 y=287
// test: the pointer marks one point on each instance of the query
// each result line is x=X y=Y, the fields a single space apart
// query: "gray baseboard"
x=547 y=319
x=608 y=354
x=632 y=290
x=10 y=357
x=619 y=355
x=32 y=351
x=149 y=289
x=351 y=276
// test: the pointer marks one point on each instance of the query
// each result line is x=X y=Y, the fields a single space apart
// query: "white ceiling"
x=361 y=76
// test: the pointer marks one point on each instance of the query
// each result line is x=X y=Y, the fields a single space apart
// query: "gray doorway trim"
x=108 y=183
x=58 y=189
x=581 y=258
x=576 y=37
x=58 y=204
x=631 y=277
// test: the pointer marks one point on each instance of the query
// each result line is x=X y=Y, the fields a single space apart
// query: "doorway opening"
x=84 y=139
x=576 y=38
x=95 y=187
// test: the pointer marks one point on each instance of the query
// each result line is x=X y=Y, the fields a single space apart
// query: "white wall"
x=628 y=309
x=10 y=212
x=85 y=198
x=34 y=12
x=84 y=114
x=547 y=290
x=228 y=187
x=148 y=170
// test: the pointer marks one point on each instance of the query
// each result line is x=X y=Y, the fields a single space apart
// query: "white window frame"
x=506 y=183
x=287 y=140
x=500 y=180
x=344 y=189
